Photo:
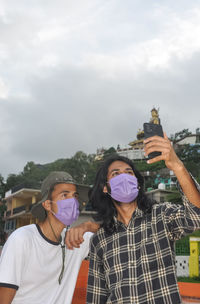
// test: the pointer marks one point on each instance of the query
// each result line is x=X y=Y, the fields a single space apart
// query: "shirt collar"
x=136 y=214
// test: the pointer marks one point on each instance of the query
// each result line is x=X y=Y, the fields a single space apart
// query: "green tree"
x=13 y=180
x=190 y=155
x=109 y=152
x=181 y=134
x=143 y=166
x=2 y=187
x=94 y=165
x=174 y=198
x=2 y=210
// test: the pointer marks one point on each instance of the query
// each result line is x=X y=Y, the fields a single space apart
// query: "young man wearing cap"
x=35 y=265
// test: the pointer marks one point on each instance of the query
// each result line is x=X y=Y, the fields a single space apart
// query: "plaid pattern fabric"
x=136 y=264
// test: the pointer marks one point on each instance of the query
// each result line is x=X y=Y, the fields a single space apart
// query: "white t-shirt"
x=32 y=264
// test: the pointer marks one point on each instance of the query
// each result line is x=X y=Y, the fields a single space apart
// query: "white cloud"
x=76 y=75
x=178 y=39
x=3 y=90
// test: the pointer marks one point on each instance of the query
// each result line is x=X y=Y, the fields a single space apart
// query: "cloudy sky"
x=82 y=74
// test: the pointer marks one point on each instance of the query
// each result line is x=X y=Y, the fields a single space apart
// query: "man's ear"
x=105 y=189
x=47 y=205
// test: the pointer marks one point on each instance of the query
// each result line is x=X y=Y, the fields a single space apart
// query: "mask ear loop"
x=51 y=210
x=63 y=263
x=109 y=189
x=63 y=252
x=62 y=247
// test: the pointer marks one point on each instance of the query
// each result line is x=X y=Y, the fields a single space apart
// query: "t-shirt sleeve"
x=86 y=244
x=12 y=261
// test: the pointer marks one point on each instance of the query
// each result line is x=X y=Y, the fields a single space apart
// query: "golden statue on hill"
x=155 y=116
x=138 y=143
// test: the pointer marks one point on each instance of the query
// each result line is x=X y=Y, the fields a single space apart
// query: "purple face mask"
x=68 y=211
x=124 y=188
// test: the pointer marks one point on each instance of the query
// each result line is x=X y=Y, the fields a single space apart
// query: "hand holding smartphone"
x=150 y=130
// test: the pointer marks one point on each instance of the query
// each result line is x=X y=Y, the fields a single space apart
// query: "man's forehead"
x=65 y=187
x=117 y=165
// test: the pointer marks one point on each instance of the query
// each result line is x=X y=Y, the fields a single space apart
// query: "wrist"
x=86 y=226
x=178 y=167
x=92 y=226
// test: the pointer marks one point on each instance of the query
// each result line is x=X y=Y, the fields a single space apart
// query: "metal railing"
x=19 y=209
x=8 y=213
x=26 y=185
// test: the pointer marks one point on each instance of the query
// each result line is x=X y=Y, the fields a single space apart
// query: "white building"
x=132 y=153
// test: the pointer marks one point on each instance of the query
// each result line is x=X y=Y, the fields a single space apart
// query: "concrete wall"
x=191 y=140
x=182 y=266
x=132 y=154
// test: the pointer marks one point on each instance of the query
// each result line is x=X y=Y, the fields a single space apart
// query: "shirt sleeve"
x=96 y=288
x=12 y=262
x=182 y=219
x=181 y=191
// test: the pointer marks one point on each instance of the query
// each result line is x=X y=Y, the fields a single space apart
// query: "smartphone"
x=151 y=129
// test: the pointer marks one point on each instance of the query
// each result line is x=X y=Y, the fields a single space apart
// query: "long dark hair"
x=102 y=202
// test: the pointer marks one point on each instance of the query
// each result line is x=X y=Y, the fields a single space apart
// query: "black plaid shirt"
x=136 y=264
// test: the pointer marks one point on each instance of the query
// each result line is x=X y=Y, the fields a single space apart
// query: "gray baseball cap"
x=55 y=177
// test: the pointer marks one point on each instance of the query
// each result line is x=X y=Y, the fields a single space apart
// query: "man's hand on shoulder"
x=74 y=236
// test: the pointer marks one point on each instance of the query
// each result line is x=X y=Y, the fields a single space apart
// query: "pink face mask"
x=68 y=211
x=124 y=188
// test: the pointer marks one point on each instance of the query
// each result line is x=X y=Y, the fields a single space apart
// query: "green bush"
x=189 y=280
x=183 y=245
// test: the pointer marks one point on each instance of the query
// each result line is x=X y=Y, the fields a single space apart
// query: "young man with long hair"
x=132 y=255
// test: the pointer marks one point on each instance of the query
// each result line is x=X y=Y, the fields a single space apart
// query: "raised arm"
x=163 y=145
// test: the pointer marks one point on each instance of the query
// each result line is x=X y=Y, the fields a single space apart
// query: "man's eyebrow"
x=119 y=169
x=63 y=191
x=114 y=170
x=66 y=191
